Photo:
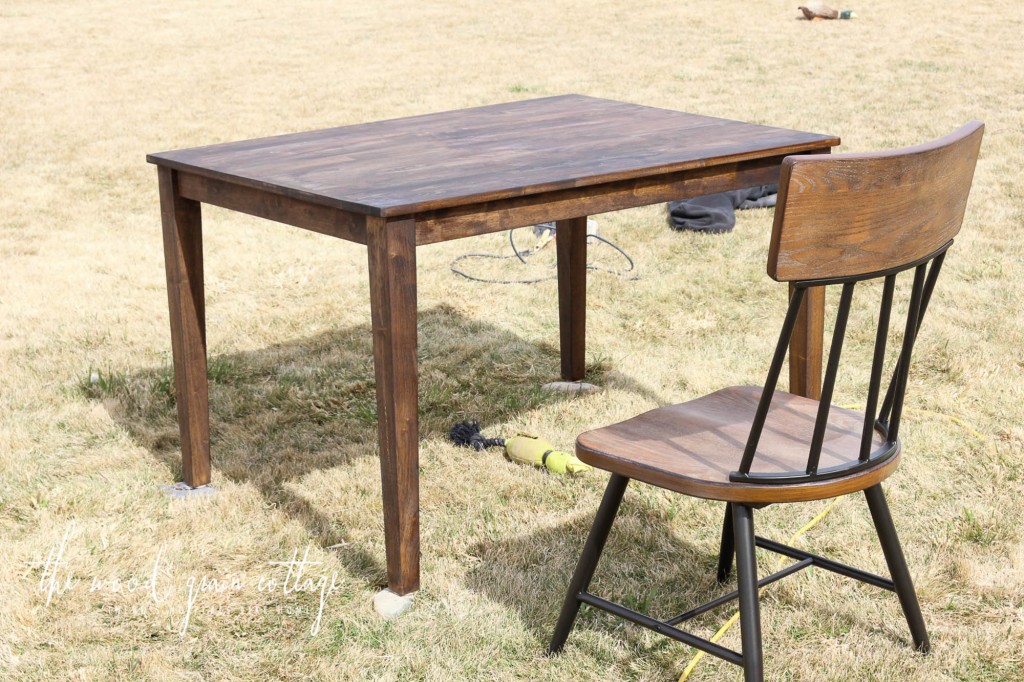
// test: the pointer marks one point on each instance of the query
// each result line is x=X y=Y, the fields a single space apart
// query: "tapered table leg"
x=805 y=347
x=183 y=258
x=392 y=261
x=571 y=242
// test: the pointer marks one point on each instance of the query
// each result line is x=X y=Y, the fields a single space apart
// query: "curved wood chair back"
x=854 y=217
x=850 y=215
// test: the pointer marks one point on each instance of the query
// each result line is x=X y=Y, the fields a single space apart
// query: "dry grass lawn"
x=87 y=89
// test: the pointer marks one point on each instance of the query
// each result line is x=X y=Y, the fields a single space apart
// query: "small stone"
x=181 y=490
x=389 y=605
x=574 y=387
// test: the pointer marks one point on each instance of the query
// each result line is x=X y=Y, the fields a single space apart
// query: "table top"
x=457 y=158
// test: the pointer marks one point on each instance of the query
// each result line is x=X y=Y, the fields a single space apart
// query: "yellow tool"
x=522 y=448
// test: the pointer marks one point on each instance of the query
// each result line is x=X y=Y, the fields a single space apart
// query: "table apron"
x=504 y=214
x=327 y=220
x=485 y=217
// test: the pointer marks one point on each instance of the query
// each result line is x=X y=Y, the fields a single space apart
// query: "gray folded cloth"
x=716 y=212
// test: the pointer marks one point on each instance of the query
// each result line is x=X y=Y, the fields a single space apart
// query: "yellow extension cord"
x=817 y=519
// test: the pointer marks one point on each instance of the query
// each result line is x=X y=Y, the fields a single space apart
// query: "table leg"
x=571 y=243
x=392 y=265
x=805 y=348
x=183 y=259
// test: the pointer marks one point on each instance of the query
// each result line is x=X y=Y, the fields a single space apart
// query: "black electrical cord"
x=521 y=256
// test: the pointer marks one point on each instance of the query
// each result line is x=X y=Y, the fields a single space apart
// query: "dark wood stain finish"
x=854 y=214
x=426 y=163
x=693 y=447
x=504 y=214
x=392 y=266
x=395 y=184
x=278 y=207
x=183 y=259
x=571 y=243
x=806 y=347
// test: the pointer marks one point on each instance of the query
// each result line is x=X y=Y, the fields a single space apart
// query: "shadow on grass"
x=645 y=566
x=279 y=413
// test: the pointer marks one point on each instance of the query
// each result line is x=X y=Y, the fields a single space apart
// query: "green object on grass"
x=523 y=448
x=539 y=452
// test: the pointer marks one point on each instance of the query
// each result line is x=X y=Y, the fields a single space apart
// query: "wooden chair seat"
x=694 y=446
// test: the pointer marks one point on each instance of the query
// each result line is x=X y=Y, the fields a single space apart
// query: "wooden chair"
x=840 y=220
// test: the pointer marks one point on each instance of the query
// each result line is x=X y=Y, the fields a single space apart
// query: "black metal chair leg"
x=897 y=566
x=588 y=559
x=728 y=546
x=750 y=609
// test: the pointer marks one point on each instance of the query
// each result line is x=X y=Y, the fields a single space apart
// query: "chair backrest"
x=846 y=218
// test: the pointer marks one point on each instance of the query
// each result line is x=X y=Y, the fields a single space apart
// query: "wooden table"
x=393 y=185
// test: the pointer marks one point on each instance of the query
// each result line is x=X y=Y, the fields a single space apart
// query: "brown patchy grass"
x=86 y=89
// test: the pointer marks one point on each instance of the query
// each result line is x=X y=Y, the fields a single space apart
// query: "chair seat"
x=693 y=447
